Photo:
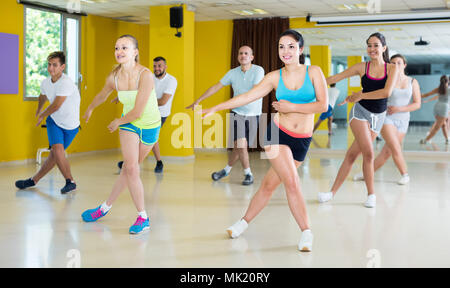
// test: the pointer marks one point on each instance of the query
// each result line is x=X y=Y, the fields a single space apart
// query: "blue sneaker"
x=92 y=215
x=140 y=225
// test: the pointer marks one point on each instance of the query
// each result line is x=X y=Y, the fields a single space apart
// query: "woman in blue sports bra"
x=138 y=127
x=301 y=91
x=366 y=118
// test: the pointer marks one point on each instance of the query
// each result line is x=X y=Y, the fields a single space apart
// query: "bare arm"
x=321 y=103
x=355 y=70
x=42 y=100
x=208 y=93
x=432 y=92
x=59 y=100
x=258 y=91
x=101 y=96
x=163 y=100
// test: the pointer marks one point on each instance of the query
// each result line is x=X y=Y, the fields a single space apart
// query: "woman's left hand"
x=113 y=125
x=282 y=106
x=392 y=109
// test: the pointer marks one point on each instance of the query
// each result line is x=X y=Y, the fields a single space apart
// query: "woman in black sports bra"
x=366 y=118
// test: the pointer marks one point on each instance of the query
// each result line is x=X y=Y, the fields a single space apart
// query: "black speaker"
x=176 y=17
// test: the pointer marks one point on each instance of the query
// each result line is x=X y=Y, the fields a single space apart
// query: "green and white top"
x=150 y=118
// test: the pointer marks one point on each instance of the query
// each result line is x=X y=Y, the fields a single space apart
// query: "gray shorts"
x=241 y=126
x=441 y=109
x=401 y=124
x=375 y=120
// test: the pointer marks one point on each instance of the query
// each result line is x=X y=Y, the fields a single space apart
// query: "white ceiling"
x=343 y=40
x=206 y=10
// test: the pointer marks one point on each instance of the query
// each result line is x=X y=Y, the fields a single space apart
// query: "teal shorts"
x=146 y=136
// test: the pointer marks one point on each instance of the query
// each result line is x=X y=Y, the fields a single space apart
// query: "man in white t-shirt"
x=165 y=87
x=63 y=120
x=333 y=94
x=243 y=120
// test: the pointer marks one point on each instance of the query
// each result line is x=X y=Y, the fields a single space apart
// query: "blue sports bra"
x=306 y=93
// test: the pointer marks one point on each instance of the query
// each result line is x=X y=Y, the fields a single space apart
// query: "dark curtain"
x=262 y=36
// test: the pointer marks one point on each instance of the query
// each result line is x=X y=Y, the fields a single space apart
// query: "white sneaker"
x=371 y=201
x=404 y=180
x=358 y=177
x=306 y=241
x=237 y=228
x=324 y=196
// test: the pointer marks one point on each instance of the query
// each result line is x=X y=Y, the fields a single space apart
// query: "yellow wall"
x=21 y=138
x=213 y=41
x=179 y=53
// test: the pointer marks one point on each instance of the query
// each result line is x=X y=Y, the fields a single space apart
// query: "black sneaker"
x=159 y=167
x=219 y=175
x=248 y=180
x=24 y=184
x=120 y=164
x=70 y=186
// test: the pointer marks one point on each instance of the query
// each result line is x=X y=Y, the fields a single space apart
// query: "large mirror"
x=426 y=63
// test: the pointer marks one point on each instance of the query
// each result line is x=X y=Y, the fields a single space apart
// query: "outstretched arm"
x=100 y=97
x=355 y=70
x=208 y=93
x=432 y=92
x=258 y=91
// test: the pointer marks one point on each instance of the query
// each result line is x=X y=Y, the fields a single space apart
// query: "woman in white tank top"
x=396 y=123
x=441 y=109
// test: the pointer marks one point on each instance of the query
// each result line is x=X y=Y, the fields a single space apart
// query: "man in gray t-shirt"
x=243 y=120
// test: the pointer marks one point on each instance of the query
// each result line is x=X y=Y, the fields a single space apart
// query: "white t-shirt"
x=68 y=115
x=333 y=94
x=166 y=85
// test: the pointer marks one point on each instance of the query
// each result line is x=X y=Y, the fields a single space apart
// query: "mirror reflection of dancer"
x=378 y=79
x=301 y=91
x=138 y=127
x=333 y=94
x=441 y=110
x=397 y=120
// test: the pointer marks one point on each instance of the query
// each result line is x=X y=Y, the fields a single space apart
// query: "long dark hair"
x=299 y=38
x=443 y=86
x=383 y=42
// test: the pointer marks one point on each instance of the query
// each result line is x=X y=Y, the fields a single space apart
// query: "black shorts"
x=163 y=119
x=243 y=127
x=278 y=135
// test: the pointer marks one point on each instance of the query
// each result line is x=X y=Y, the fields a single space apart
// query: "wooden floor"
x=189 y=214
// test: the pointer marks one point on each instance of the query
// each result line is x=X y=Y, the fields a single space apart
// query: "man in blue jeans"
x=63 y=120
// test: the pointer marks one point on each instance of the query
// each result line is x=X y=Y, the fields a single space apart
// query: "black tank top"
x=370 y=84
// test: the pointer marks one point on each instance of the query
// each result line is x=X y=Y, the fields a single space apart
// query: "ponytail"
x=443 y=86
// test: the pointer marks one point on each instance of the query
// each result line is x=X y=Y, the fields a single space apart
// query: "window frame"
x=64 y=16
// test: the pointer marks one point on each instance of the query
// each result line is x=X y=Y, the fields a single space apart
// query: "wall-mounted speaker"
x=176 y=17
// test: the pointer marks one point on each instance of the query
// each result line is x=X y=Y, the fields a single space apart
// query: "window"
x=47 y=31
